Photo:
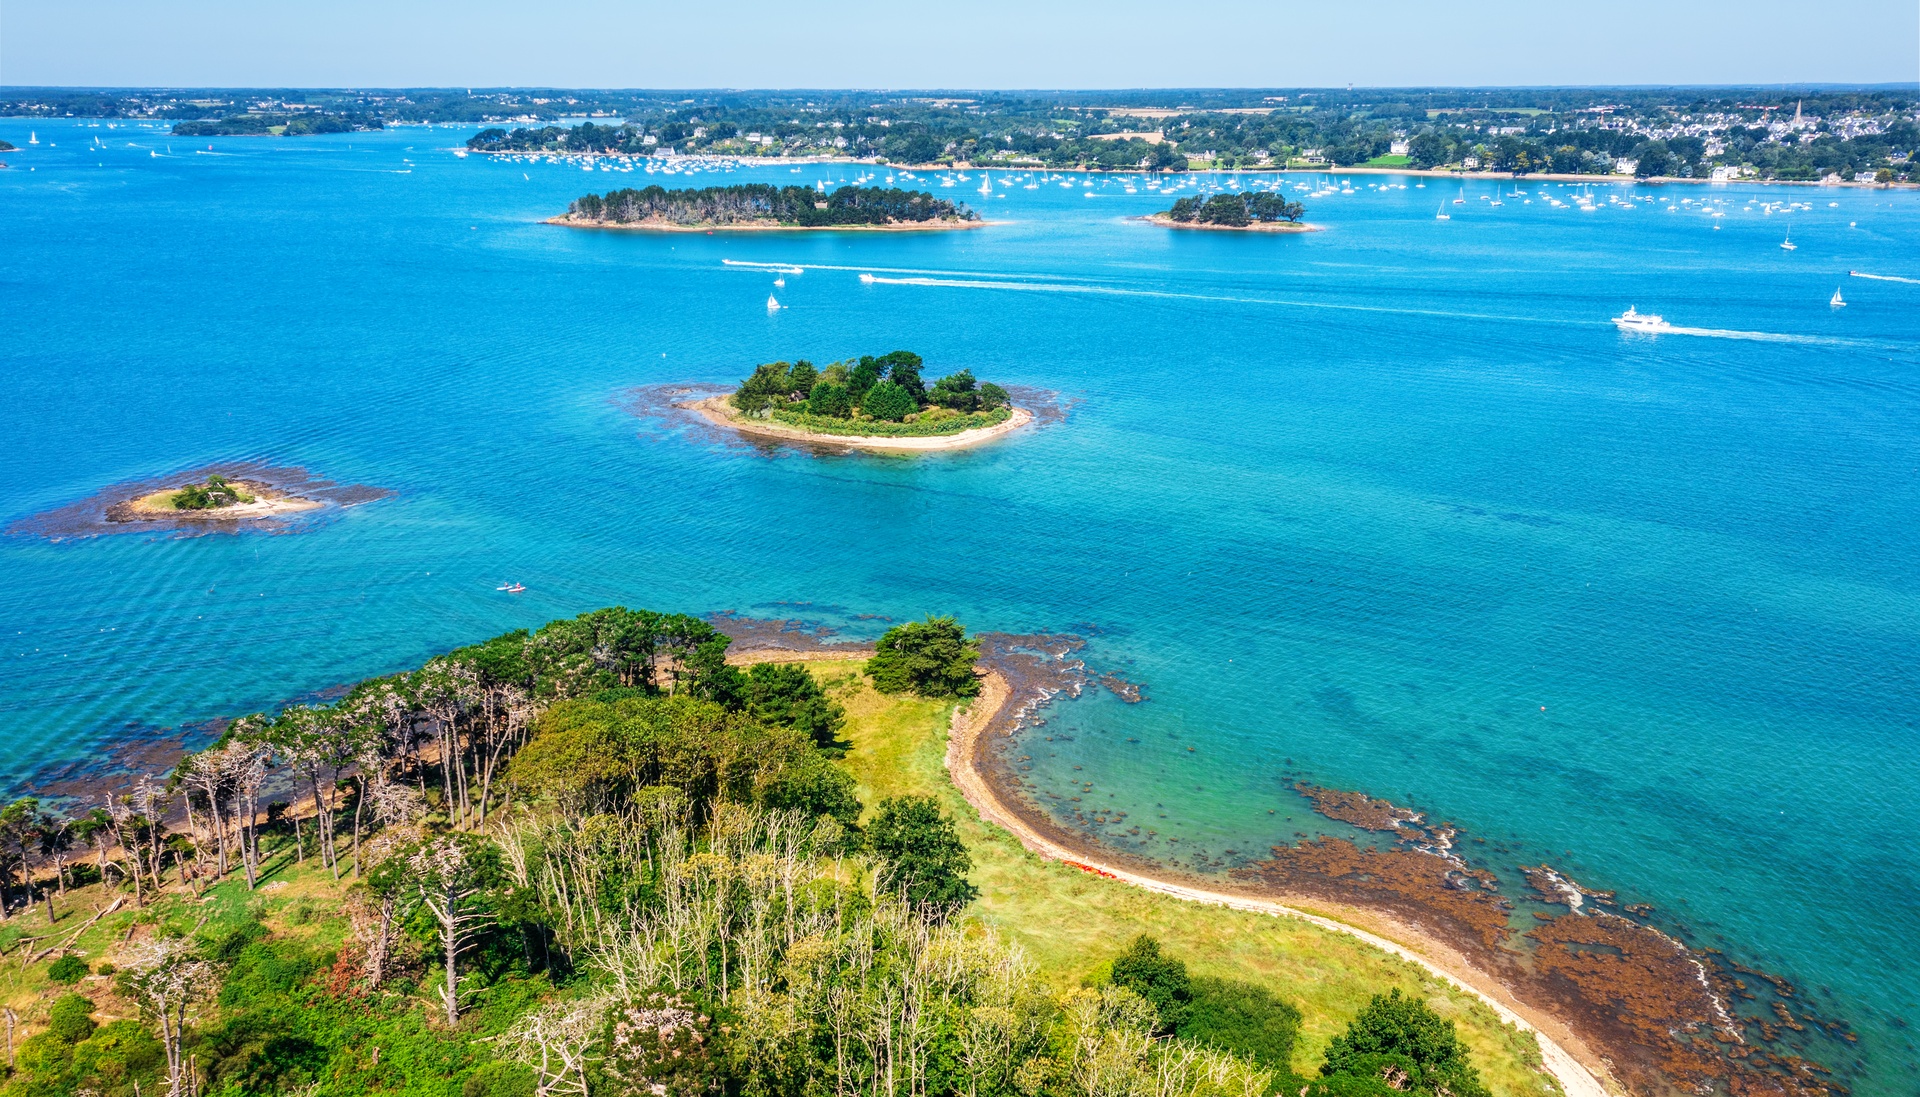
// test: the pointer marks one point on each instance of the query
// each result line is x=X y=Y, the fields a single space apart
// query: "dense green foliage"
x=1237 y=210
x=68 y=970
x=1399 y=1044
x=1235 y=1017
x=881 y=394
x=1244 y=1019
x=786 y=695
x=600 y=752
x=919 y=854
x=284 y=125
x=932 y=658
x=1159 y=979
x=763 y=203
x=217 y=492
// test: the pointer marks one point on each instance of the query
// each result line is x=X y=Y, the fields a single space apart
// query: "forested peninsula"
x=1253 y=210
x=276 y=125
x=873 y=402
x=604 y=860
x=761 y=205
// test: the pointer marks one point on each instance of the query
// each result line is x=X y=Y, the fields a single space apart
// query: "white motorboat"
x=1634 y=320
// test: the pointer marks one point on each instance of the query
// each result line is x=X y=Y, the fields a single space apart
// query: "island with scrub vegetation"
x=605 y=858
x=217 y=498
x=1253 y=211
x=764 y=206
x=873 y=402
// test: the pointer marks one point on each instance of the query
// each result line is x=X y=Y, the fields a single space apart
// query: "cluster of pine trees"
x=762 y=203
x=1237 y=210
x=883 y=388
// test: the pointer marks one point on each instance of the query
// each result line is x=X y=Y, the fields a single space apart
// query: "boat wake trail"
x=1885 y=277
x=1758 y=336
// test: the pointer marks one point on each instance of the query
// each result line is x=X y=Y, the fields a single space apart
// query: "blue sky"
x=980 y=44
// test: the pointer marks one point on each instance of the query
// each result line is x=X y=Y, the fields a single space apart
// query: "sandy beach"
x=569 y=221
x=1571 y=1062
x=1252 y=226
x=717 y=411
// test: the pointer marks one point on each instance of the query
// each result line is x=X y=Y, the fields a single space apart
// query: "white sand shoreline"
x=716 y=410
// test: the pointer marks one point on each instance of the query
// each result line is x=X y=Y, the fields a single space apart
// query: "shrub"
x=117 y=1055
x=887 y=400
x=920 y=853
x=68 y=970
x=1161 y=980
x=499 y=1079
x=71 y=1018
x=933 y=658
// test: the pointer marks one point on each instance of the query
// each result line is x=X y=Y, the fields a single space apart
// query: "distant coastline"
x=1552 y=177
x=1427 y=173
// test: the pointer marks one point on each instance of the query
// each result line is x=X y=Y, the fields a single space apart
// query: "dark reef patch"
x=1669 y=1017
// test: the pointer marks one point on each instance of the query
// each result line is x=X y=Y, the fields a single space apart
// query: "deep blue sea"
x=1389 y=507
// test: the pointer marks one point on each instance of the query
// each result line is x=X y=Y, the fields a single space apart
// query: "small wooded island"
x=764 y=206
x=867 y=402
x=217 y=498
x=1252 y=211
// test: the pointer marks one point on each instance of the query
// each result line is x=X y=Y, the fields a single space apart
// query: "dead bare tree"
x=167 y=978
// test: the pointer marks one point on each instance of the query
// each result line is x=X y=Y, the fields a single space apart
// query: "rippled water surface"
x=1388 y=507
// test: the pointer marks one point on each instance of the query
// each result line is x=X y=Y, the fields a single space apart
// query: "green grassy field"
x=1388 y=162
x=1070 y=922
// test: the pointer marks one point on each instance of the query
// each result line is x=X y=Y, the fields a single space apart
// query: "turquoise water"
x=1390 y=506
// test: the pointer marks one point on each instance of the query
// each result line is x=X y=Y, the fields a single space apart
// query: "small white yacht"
x=1788 y=244
x=1634 y=320
x=1443 y=215
x=773 y=305
x=1836 y=300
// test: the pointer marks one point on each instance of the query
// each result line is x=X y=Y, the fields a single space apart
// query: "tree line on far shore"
x=1237 y=210
x=759 y=203
x=886 y=388
x=290 y=125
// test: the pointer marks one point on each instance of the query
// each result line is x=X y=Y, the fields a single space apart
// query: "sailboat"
x=1442 y=215
x=1836 y=300
x=772 y=304
x=32 y=138
x=1788 y=244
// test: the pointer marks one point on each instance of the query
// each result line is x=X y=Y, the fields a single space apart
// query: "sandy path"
x=963 y=751
x=717 y=411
